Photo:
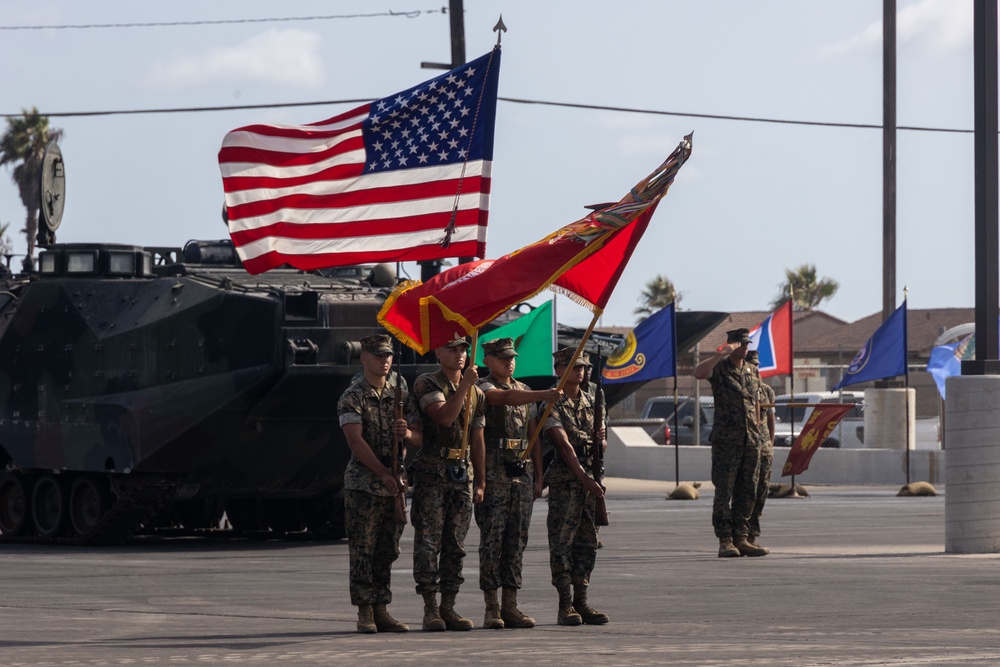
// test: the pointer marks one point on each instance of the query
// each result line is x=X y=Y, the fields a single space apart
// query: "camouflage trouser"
x=572 y=534
x=503 y=519
x=373 y=539
x=440 y=512
x=734 y=475
x=763 y=485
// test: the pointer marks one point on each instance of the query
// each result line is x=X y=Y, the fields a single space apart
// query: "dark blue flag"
x=648 y=352
x=883 y=356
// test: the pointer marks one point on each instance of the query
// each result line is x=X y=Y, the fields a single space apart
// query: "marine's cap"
x=377 y=344
x=752 y=357
x=501 y=348
x=738 y=336
x=457 y=341
x=562 y=357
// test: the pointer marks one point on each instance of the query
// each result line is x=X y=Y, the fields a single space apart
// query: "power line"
x=283 y=19
x=750 y=119
x=514 y=100
x=132 y=112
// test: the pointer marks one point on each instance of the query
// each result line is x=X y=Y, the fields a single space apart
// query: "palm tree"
x=807 y=290
x=658 y=293
x=5 y=245
x=22 y=146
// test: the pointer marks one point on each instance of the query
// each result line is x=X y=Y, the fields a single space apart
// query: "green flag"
x=532 y=334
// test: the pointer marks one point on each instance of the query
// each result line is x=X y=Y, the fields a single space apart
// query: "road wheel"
x=283 y=515
x=89 y=499
x=14 y=489
x=245 y=515
x=202 y=513
x=48 y=506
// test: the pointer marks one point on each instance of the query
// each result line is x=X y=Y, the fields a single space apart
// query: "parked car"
x=790 y=418
x=657 y=418
x=685 y=431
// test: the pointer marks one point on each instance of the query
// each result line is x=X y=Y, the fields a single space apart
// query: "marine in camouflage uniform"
x=766 y=454
x=512 y=485
x=443 y=490
x=367 y=416
x=572 y=493
x=735 y=440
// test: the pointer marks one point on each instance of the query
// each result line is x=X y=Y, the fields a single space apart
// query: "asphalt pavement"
x=856 y=576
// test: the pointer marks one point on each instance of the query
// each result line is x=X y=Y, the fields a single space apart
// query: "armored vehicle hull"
x=150 y=387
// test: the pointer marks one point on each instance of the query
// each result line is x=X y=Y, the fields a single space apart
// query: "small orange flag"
x=822 y=421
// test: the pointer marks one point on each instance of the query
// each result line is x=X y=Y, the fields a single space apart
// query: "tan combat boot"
x=589 y=615
x=567 y=615
x=510 y=614
x=432 y=617
x=726 y=548
x=386 y=623
x=452 y=620
x=492 y=620
x=366 y=622
x=752 y=539
x=747 y=548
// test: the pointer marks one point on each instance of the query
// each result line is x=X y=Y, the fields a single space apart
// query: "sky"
x=755 y=198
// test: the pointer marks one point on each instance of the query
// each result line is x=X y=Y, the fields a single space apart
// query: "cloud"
x=278 y=56
x=937 y=26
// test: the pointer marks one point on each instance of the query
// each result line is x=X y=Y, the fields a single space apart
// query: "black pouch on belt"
x=515 y=468
x=457 y=472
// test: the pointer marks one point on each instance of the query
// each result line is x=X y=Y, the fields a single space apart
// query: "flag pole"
x=791 y=342
x=468 y=399
x=562 y=382
x=677 y=451
x=906 y=388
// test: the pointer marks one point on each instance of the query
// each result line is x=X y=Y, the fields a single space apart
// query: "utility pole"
x=457 y=16
x=888 y=158
x=456 y=10
x=984 y=47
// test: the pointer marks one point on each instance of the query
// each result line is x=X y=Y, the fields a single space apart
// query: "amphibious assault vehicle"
x=146 y=387
x=159 y=386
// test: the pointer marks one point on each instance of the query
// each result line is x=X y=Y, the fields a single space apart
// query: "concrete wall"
x=632 y=454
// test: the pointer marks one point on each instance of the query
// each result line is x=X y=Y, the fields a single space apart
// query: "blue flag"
x=946 y=360
x=883 y=356
x=648 y=352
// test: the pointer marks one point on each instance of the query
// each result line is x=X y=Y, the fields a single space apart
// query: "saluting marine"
x=366 y=412
x=512 y=484
x=735 y=441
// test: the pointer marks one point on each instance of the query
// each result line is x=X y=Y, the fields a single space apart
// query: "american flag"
x=403 y=178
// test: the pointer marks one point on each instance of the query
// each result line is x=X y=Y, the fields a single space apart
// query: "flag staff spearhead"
x=499 y=29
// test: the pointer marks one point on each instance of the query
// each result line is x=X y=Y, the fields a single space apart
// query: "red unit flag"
x=459 y=301
x=822 y=421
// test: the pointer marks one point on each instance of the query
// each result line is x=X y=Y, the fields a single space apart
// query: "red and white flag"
x=772 y=339
x=404 y=178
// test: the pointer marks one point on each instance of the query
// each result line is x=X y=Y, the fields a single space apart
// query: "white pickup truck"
x=790 y=418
